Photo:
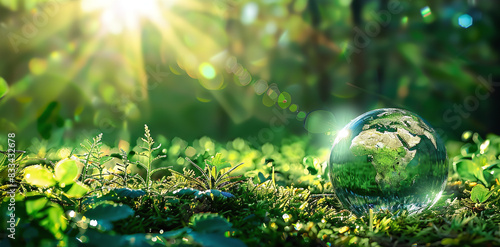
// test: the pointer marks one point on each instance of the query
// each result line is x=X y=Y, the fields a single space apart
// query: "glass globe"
x=388 y=159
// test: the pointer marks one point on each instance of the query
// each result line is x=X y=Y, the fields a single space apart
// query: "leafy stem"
x=93 y=154
x=149 y=148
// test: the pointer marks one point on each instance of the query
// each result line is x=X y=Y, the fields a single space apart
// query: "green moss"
x=278 y=209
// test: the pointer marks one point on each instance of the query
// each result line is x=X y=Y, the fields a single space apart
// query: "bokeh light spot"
x=466 y=135
x=243 y=78
x=427 y=14
x=180 y=161
x=207 y=70
x=270 y=98
x=425 y=11
x=284 y=100
x=203 y=99
x=465 y=21
x=320 y=121
x=64 y=153
x=271 y=27
x=272 y=94
x=260 y=86
x=404 y=21
x=125 y=145
x=249 y=13
x=37 y=66
x=301 y=115
x=190 y=151
x=293 y=108
x=55 y=55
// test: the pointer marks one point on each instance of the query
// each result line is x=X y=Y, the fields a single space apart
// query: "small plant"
x=92 y=160
x=10 y=158
x=479 y=194
x=119 y=175
x=122 y=168
x=275 y=205
x=479 y=161
x=148 y=147
x=63 y=179
x=479 y=165
x=184 y=180
x=213 y=176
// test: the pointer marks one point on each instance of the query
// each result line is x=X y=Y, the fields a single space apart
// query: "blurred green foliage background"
x=194 y=68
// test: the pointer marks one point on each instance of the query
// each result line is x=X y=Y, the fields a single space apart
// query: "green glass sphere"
x=388 y=159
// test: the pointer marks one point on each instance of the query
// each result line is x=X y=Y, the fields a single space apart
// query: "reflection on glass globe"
x=388 y=159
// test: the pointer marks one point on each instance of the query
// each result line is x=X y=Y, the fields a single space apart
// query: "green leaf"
x=55 y=222
x=159 y=169
x=308 y=161
x=219 y=162
x=46 y=213
x=142 y=165
x=479 y=194
x=262 y=178
x=109 y=212
x=66 y=171
x=76 y=190
x=116 y=155
x=4 y=87
x=312 y=170
x=467 y=170
x=491 y=173
x=130 y=193
x=175 y=233
x=38 y=175
x=209 y=223
x=35 y=204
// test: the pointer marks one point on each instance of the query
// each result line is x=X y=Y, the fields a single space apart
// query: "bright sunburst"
x=118 y=15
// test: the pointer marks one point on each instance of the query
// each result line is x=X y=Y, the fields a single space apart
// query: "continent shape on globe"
x=390 y=152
